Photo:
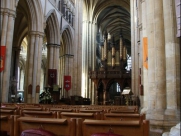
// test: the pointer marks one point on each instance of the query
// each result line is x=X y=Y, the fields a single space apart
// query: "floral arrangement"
x=45 y=97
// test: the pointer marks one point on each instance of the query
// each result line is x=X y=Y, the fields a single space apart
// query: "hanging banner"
x=67 y=82
x=2 y=57
x=145 y=52
x=52 y=77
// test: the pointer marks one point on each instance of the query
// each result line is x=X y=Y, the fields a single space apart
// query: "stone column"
x=38 y=67
x=21 y=79
x=4 y=24
x=172 y=59
x=145 y=71
x=50 y=60
x=6 y=40
x=104 y=96
x=133 y=40
x=156 y=63
x=33 y=69
x=58 y=63
x=84 y=58
x=14 y=68
x=29 y=68
x=50 y=56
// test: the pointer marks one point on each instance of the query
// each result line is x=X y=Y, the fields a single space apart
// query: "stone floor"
x=156 y=133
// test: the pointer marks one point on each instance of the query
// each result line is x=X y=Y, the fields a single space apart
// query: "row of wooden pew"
x=70 y=108
x=66 y=121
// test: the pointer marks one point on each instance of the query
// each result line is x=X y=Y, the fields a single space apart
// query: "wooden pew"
x=59 y=111
x=68 y=115
x=125 y=128
x=7 y=125
x=128 y=111
x=99 y=113
x=6 y=112
x=39 y=114
x=32 y=108
x=124 y=117
x=60 y=127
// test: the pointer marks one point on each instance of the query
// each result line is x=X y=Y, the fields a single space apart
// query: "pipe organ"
x=113 y=55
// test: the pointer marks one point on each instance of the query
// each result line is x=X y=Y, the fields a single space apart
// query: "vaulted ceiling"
x=116 y=20
x=112 y=16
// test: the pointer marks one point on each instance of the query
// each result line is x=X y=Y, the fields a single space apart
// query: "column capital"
x=37 y=33
x=9 y=12
x=53 y=45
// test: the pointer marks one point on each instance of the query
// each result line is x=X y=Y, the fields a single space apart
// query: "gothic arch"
x=52 y=28
x=110 y=83
x=67 y=38
x=29 y=19
x=36 y=15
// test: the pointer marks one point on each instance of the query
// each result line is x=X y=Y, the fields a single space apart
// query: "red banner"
x=52 y=77
x=2 y=57
x=67 y=82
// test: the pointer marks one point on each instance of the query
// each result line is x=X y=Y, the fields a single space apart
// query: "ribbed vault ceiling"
x=115 y=20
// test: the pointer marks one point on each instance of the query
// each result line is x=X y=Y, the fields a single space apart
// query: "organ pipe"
x=124 y=53
x=102 y=52
x=121 y=48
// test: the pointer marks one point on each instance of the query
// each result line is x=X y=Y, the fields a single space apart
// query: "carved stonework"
x=38 y=89
x=30 y=89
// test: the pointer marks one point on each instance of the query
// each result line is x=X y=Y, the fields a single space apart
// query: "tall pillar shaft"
x=7 y=39
x=4 y=28
x=29 y=67
x=50 y=56
x=145 y=71
x=38 y=74
x=159 y=41
x=156 y=63
x=134 y=48
x=88 y=60
x=33 y=69
x=172 y=58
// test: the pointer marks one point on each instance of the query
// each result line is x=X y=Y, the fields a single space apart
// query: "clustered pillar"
x=33 y=67
x=161 y=79
x=6 y=40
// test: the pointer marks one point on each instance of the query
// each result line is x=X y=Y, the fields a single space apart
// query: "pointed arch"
x=52 y=29
x=67 y=38
x=36 y=15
